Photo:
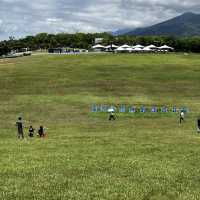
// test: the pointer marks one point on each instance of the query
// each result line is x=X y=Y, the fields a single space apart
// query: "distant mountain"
x=187 y=24
x=122 y=31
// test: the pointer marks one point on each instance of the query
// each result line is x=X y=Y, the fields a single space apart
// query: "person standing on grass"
x=112 y=116
x=182 y=117
x=20 y=127
x=31 y=131
x=198 y=125
x=41 y=132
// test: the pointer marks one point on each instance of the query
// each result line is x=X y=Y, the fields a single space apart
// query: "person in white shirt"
x=182 y=117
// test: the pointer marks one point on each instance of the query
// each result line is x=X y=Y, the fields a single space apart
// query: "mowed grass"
x=85 y=156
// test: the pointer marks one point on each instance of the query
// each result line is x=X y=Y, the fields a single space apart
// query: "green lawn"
x=145 y=157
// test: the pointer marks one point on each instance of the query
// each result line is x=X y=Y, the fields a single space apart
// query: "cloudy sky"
x=27 y=17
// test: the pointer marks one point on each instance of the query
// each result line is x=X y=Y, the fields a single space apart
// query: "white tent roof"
x=111 y=46
x=125 y=46
x=138 y=46
x=151 y=46
x=165 y=47
x=98 y=46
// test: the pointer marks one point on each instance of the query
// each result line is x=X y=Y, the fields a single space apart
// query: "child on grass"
x=31 y=131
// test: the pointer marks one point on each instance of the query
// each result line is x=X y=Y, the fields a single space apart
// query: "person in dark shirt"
x=20 y=127
x=41 y=131
x=31 y=131
x=198 y=125
x=112 y=116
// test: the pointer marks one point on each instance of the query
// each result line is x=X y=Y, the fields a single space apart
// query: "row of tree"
x=85 y=41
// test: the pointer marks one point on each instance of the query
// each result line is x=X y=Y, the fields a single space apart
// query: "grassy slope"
x=85 y=156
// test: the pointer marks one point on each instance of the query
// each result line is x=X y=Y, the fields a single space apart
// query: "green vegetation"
x=85 y=156
x=44 y=41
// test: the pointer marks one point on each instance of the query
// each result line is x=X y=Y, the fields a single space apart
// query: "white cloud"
x=21 y=17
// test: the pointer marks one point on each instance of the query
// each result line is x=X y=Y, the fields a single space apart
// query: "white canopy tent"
x=137 y=50
x=129 y=49
x=165 y=47
x=138 y=46
x=125 y=46
x=121 y=49
x=152 y=46
x=112 y=46
x=147 y=49
x=98 y=46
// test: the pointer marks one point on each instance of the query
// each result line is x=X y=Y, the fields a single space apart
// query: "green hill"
x=187 y=24
x=84 y=156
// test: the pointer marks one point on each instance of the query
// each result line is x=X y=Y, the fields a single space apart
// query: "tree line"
x=86 y=40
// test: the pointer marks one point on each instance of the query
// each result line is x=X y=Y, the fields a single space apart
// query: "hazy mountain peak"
x=187 y=24
x=189 y=14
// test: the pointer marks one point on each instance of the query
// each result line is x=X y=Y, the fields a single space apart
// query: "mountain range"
x=187 y=24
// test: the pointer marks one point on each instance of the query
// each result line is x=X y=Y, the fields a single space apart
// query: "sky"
x=20 y=18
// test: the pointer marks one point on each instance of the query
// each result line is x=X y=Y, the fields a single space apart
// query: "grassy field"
x=85 y=156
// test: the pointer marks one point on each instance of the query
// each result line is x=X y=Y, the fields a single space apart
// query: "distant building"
x=98 y=40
